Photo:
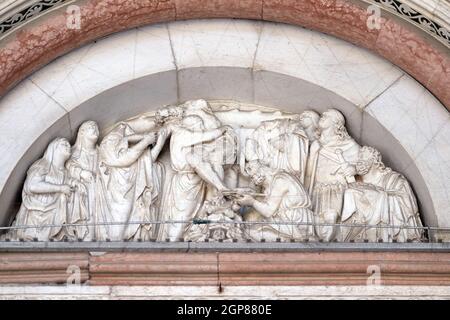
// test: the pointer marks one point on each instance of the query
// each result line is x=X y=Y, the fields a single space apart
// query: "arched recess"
x=270 y=64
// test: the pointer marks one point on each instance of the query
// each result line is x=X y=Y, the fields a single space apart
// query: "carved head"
x=257 y=172
x=368 y=158
x=168 y=113
x=115 y=141
x=58 y=148
x=200 y=104
x=332 y=118
x=176 y=112
x=88 y=131
x=309 y=119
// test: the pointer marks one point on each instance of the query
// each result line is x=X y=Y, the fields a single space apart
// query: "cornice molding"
x=227 y=269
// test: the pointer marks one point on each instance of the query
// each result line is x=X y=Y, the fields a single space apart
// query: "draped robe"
x=294 y=207
x=82 y=211
x=281 y=145
x=390 y=203
x=125 y=194
x=325 y=182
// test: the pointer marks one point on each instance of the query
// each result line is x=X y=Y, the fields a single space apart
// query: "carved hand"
x=66 y=189
x=149 y=138
x=162 y=134
x=246 y=200
x=349 y=170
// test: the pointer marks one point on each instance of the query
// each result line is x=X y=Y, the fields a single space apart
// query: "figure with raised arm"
x=129 y=183
x=192 y=173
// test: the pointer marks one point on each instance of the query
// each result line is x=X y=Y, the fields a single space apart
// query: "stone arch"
x=47 y=37
x=245 y=70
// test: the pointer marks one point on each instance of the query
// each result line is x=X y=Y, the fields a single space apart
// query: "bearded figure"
x=383 y=199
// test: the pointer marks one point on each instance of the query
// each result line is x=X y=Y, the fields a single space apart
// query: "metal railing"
x=427 y=233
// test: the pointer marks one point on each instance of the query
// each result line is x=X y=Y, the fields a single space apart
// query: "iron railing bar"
x=224 y=222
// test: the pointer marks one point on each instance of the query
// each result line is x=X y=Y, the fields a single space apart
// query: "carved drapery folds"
x=216 y=172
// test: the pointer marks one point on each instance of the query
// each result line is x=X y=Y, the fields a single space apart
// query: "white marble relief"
x=383 y=197
x=222 y=172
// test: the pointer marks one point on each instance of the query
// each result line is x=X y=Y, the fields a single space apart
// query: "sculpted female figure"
x=128 y=183
x=82 y=167
x=45 y=195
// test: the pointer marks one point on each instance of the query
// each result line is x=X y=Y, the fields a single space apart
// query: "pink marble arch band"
x=49 y=37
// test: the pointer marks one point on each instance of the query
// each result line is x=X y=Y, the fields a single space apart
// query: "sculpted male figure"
x=331 y=166
x=187 y=189
x=309 y=120
x=383 y=198
x=219 y=153
x=285 y=200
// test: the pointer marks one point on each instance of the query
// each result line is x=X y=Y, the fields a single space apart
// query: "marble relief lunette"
x=223 y=173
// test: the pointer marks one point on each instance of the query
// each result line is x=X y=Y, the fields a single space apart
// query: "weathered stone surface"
x=270 y=268
x=336 y=17
x=413 y=53
x=226 y=292
x=229 y=269
x=153 y=269
x=243 y=9
x=45 y=40
x=32 y=268
x=350 y=268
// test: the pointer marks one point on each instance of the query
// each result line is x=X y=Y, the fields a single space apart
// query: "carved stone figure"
x=284 y=201
x=216 y=171
x=46 y=194
x=309 y=120
x=384 y=198
x=331 y=166
x=280 y=144
x=221 y=152
x=187 y=189
x=169 y=114
x=82 y=167
x=129 y=181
